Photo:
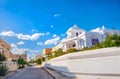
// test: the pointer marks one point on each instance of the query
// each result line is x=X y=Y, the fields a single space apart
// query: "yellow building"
x=16 y=56
x=37 y=56
x=5 y=49
x=47 y=51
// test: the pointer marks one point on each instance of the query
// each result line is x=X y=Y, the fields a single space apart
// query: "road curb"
x=49 y=73
x=57 y=74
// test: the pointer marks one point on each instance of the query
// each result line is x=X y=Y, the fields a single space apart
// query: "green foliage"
x=110 y=41
x=58 y=52
x=21 y=62
x=71 y=50
x=2 y=57
x=13 y=60
x=43 y=59
x=3 y=70
x=39 y=61
x=32 y=61
x=50 y=57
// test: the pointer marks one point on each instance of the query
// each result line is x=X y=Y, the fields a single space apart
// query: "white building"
x=79 y=38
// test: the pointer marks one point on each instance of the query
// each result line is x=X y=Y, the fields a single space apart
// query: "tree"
x=112 y=40
x=39 y=61
x=21 y=62
x=3 y=68
x=2 y=57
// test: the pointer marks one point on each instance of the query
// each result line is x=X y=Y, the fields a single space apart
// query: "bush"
x=3 y=70
x=71 y=50
x=110 y=41
x=21 y=62
x=58 y=52
x=39 y=61
x=2 y=57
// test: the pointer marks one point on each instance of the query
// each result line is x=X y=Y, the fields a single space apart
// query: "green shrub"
x=2 y=57
x=39 y=61
x=110 y=41
x=71 y=50
x=3 y=70
x=21 y=63
x=58 y=52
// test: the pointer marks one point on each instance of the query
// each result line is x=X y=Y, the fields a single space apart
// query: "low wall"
x=93 y=64
x=12 y=66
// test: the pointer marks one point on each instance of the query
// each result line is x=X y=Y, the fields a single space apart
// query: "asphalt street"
x=31 y=73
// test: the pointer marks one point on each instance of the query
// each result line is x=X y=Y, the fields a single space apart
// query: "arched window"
x=74 y=45
x=76 y=33
x=95 y=41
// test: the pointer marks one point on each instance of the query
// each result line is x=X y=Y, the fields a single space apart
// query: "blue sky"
x=32 y=25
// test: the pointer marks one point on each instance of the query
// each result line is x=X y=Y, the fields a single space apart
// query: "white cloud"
x=54 y=35
x=34 y=36
x=7 y=33
x=51 y=26
x=13 y=45
x=29 y=52
x=39 y=43
x=63 y=35
x=52 y=41
x=34 y=30
x=20 y=43
x=47 y=33
x=56 y=15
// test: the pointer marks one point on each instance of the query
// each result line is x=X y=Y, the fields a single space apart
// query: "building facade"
x=5 y=49
x=47 y=51
x=16 y=56
x=79 y=38
x=38 y=56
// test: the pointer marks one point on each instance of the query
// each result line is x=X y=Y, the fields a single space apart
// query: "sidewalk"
x=10 y=74
x=56 y=74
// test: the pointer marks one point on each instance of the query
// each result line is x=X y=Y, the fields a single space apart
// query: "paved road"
x=31 y=73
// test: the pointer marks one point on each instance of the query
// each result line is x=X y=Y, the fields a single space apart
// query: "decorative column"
x=76 y=43
x=64 y=47
x=80 y=44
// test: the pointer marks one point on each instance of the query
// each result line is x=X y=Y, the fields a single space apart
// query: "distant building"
x=16 y=56
x=47 y=51
x=79 y=38
x=5 y=49
x=38 y=56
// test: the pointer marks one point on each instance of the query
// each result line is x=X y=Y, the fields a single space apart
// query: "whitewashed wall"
x=94 y=64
